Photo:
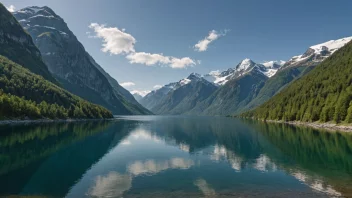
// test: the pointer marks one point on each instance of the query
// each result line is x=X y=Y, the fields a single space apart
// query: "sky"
x=144 y=44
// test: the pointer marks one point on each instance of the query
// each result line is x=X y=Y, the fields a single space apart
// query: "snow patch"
x=332 y=45
x=184 y=81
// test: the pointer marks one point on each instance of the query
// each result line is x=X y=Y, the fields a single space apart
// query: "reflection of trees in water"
x=59 y=156
x=22 y=144
x=324 y=158
x=320 y=158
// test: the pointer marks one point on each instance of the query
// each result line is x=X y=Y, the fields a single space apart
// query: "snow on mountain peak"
x=245 y=64
x=184 y=81
x=317 y=53
x=194 y=76
x=273 y=64
x=331 y=45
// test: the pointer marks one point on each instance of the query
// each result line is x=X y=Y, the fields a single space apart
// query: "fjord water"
x=176 y=156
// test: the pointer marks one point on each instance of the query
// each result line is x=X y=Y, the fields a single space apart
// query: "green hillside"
x=27 y=95
x=277 y=83
x=324 y=94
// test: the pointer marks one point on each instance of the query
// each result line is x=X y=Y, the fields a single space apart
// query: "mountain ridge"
x=324 y=94
x=69 y=62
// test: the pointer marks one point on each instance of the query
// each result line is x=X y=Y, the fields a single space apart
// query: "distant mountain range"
x=71 y=65
x=237 y=89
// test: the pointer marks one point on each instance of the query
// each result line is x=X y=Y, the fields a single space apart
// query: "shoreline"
x=29 y=121
x=316 y=125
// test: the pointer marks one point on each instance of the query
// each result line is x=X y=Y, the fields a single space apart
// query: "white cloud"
x=115 y=41
x=127 y=84
x=157 y=86
x=152 y=59
x=142 y=93
x=181 y=63
x=202 y=45
x=11 y=8
x=147 y=58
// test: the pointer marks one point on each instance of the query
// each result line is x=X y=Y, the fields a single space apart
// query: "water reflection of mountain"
x=322 y=160
x=49 y=158
x=197 y=133
x=52 y=159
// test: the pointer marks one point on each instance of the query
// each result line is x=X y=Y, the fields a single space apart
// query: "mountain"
x=232 y=89
x=71 y=65
x=18 y=46
x=154 y=98
x=237 y=92
x=179 y=97
x=24 y=94
x=137 y=96
x=317 y=53
x=295 y=68
x=324 y=94
x=220 y=78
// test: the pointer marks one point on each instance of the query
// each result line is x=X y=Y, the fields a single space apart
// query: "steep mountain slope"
x=324 y=94
x=317 y=53
x=27 y=95
x=24 y=94
x=296 y=67
x=185 y=95
x=137 y=97
x=234 y=95
x=18 y=46
x=71 y=65
x=152 y=99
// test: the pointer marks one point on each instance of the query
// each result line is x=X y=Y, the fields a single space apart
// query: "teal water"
x=153 y=156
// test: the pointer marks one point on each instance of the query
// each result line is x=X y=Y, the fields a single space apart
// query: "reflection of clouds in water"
x=125 y=142
x=143 y=134
x=115 y=184
x=316 y=184
x=263 y=163
x=153 y=167
x=221 y=153
x=112 y=185
x=184 y=147
x=205 y=188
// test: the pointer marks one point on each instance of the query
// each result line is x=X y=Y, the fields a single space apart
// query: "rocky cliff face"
x=68 y=61
x=18 y=46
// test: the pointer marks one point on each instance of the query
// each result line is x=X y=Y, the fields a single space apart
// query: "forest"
x=26 y=95
x=324 y=94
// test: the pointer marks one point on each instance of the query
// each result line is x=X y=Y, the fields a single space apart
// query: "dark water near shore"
x=151 y=156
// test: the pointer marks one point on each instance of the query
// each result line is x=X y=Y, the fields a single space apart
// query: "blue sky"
x=168 y=30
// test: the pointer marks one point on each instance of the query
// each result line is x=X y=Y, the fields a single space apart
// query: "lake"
x=173 y=156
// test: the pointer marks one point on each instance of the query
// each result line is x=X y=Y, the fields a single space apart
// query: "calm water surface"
x=151 y=156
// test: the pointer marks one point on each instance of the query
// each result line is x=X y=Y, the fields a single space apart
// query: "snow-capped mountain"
x=220 y=78
x=317 y=53
x=164 y=100
x=71 y=65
